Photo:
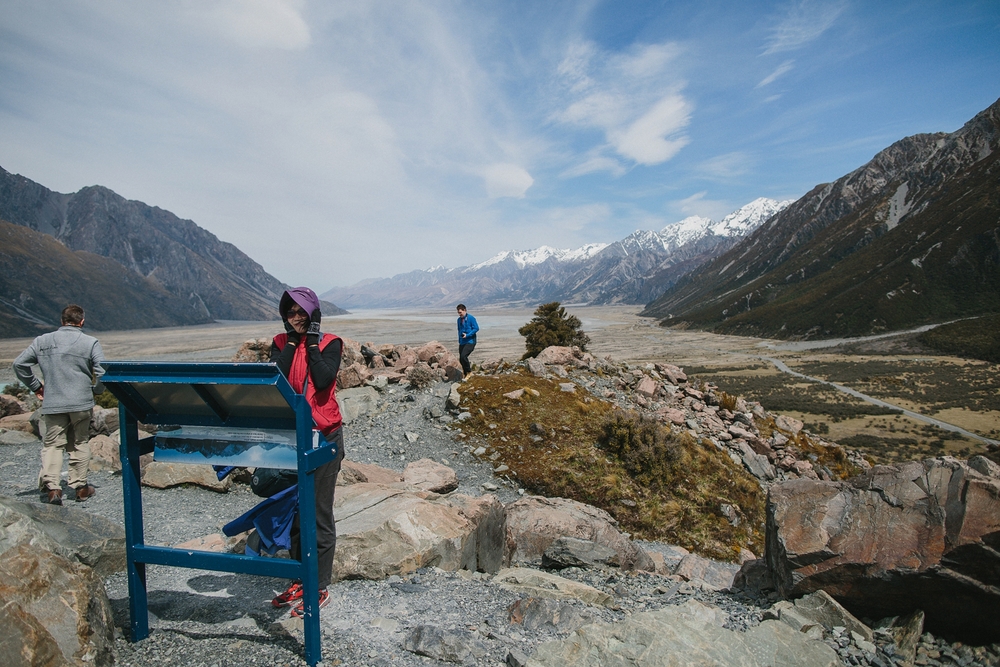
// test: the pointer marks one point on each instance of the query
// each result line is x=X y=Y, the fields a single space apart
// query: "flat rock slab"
x=688 y=634
x=18 y=437
x=547 y=585
x=716 y=574
x=429 y=475
x=160 y=475
x=355 y=472
x=382 y=530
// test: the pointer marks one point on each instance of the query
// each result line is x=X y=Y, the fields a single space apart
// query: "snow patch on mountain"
x=523 y=258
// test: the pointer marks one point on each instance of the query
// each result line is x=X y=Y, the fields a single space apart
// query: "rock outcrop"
x=383 y=531
x=55 y=609
x=534 y=523
x=921 y=535
x=688 y=634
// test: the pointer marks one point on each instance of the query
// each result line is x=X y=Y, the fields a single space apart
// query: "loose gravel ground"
x=212 y=619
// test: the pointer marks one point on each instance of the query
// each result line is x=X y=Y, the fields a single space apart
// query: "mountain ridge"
x=631 y=270
x=832 y=263
x=175 y=256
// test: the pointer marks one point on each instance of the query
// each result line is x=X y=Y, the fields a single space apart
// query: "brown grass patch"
x=657 y=485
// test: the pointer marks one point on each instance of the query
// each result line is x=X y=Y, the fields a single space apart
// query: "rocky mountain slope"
x=196 y=277
x=910 y=238
x=39 y=276
x=635 y=269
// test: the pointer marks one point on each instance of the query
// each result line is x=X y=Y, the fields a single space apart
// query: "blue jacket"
x=467 y=325
x=272 y=518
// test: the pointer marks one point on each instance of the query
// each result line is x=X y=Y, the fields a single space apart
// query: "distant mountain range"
x=128 y=264
x=635 y=269
x=912 y=237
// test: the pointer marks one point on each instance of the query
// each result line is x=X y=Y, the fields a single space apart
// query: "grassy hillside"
x=977 y=338
x=657 y=485
x=39 y=276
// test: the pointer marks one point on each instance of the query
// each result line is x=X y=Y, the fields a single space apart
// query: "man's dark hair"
x=72 y=314
x=461 y=306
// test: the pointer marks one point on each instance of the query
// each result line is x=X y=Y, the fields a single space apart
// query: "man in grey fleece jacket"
x=71 y=365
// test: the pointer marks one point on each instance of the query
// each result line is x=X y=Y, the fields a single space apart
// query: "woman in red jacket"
x=310 y=360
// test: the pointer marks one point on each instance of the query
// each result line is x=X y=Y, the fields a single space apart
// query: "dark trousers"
x=325 y=481
x=463 y=356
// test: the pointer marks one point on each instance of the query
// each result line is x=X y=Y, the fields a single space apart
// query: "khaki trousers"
x=69 y=432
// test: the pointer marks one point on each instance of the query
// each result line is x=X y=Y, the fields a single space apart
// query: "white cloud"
x=725 y=167
x=648 y=140
x=254 y=23
x=782 y=69
x=506 y=180
x=635 y=98
x=696 y=204
x=803 y=22
x=594 y=163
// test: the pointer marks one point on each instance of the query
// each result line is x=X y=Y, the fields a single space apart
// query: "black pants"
x=325 y=482
x=463 y=356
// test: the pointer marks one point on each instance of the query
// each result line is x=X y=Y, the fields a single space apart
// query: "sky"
x=339 y=141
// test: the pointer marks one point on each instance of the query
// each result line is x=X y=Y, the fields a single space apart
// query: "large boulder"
x=353 y=375
x=431 y=352
x=10 y=406
x=356 y=402
x=921 y=535
x=564 y=356
x=383 y=530
x=163 y=475
x=533 y=523
x=74 y=534
x=686 y=634
x=54 y=612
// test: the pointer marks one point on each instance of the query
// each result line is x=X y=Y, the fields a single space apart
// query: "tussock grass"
x=657 y=485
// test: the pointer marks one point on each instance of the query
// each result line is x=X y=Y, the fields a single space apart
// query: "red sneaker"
x=291 y=595
x=298 y=611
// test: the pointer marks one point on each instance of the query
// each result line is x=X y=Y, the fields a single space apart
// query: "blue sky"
x=337 y=141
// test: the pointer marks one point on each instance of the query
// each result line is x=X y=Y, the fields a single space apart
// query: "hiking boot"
x=299 y=610
x=291 y=595
x=55 y=497
x=85 y=492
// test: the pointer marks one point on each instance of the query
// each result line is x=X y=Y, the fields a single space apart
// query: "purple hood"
x=305 y=297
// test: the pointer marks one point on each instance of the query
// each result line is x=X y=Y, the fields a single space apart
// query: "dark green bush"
x=552 y=326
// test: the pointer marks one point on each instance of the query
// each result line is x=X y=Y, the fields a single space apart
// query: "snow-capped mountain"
x=636 y=269
x=523 y=258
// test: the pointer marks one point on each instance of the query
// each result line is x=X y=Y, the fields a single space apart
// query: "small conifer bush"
x=552 y=326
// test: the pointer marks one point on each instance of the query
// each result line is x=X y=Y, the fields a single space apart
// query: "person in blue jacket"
x=467 y=330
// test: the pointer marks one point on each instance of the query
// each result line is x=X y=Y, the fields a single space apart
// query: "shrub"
x=421 y=375
x=106 y=399
x=552 y=326
x=17 y=390
x=643 y=445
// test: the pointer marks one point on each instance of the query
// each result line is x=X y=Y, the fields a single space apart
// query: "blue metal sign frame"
x=135 y=385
